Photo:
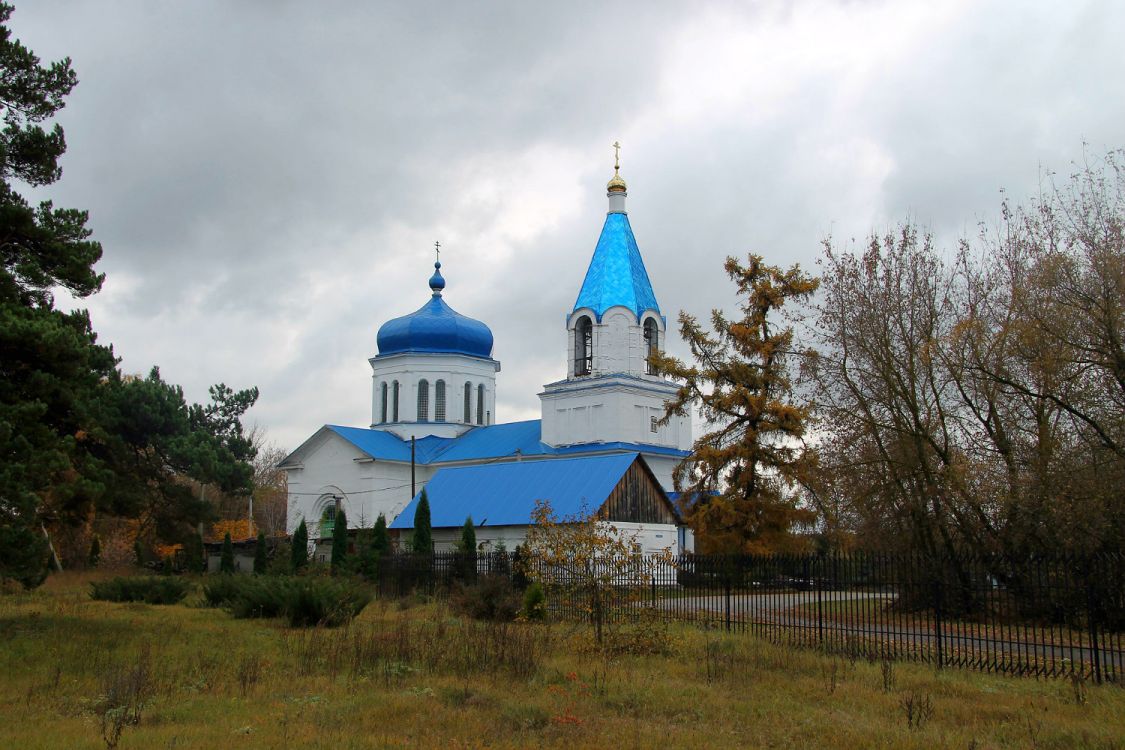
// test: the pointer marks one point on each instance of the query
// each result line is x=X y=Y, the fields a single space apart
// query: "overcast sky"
x=268 y=178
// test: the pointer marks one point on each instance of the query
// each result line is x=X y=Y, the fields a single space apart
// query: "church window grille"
x=652 y=344
x=423 y=401
x=394 y=401
x=383 y=406
x=480 y=404
x=583 y=347
x=468 y=403
x=439 y=401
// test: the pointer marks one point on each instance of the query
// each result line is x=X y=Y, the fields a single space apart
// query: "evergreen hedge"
x=303 y=602
x=148 y=589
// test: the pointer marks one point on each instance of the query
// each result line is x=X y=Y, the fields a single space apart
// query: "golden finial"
x=616 y=185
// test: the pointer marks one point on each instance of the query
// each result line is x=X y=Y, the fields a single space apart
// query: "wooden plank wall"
x=638 y=498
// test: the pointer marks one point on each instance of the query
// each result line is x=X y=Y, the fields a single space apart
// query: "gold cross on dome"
x=437 y=251
x=616 y=155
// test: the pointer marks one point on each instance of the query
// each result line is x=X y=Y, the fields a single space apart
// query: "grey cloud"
x=266 y=170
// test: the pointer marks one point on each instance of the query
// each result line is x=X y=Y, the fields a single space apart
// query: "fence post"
x=937 y=613
x=1092 y=603
x=728 y=577
x=819 y=605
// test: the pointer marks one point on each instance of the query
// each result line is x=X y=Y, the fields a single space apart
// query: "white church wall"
x=488 y=538
x=335 y=467
x=650 y=538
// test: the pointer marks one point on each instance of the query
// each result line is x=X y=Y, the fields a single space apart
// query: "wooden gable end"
x=638 y=498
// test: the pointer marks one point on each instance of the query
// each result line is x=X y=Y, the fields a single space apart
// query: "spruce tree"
x=226 y=561
x=260 y=560
x=423 y=541
x=300 y=549
x=95 y=555
x=339 y=561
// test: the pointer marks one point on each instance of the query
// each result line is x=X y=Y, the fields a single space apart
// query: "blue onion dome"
x=435 y=328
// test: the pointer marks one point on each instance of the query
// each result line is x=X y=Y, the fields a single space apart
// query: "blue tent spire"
x=617 y=274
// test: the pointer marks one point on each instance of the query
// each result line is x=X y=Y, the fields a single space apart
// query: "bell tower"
x=610 y=394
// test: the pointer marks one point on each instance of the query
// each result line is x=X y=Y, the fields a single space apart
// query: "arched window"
x=468 y=403
x=480 y=404
x=383 y=407
x=583 y=346
x=394 y=401
x=439 y=401
x=652 y=344
x=423 y=401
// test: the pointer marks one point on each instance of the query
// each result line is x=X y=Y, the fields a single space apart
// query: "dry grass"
x=418 y=676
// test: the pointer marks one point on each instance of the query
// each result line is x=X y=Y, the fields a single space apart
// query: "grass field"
x=415 y=675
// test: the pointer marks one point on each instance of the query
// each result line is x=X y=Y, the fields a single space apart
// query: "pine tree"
x=78 y=437
x=735 y=482
x=260 y=560
x=226 y=561
x=339 y=562
x=95 y=555
x=300 y=548
x=422 y=542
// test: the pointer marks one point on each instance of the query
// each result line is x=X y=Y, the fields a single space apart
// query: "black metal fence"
x=1047 y=617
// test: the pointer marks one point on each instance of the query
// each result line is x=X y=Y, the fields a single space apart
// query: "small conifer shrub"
x=300 y=548
x=95 y=555
x=148 y=589
x=226 y=561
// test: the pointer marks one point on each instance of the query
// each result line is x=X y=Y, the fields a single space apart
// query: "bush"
x=326 y=602
x=303 y=601
x=217 y=592
x=148 y=589
x=491 y=598
x=534 y=603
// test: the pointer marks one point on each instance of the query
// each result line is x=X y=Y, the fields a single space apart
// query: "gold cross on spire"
x=616 y=156
x=437 y=251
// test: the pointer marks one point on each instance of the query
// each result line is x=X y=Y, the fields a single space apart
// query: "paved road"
x=779 y=609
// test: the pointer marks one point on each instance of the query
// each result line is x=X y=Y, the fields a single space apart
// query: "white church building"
x=433 y=414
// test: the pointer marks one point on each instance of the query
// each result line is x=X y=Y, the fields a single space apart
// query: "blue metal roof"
x=493 y=441
x=505 y=494
x=436 y=328
x=617 y=274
